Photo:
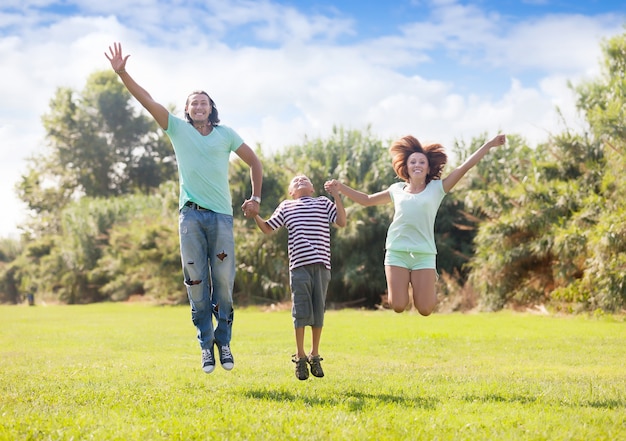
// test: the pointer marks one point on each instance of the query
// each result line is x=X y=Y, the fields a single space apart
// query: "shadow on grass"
x=498 y=398
x=609 y=403
x=606 y=404
x=352 y=400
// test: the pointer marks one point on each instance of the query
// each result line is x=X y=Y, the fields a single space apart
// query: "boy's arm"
x=262 y=224
x=340 y=221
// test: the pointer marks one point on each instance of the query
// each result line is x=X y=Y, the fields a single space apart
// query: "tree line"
x=526 y=226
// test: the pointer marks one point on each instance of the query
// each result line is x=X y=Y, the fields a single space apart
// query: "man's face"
x=199 y=107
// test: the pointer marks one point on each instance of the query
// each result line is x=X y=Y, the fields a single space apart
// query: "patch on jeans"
x=222 y=255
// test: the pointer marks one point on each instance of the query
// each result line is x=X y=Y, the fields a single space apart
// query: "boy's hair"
x=404 y=147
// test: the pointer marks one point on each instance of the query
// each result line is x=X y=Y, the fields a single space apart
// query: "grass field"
x=132 y=372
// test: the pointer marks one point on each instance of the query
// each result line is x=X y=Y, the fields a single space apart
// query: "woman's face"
x=417 y=166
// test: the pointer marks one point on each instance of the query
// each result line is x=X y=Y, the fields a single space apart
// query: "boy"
x=307 y=220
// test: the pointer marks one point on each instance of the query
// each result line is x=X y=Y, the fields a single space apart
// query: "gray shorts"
x=308 y=295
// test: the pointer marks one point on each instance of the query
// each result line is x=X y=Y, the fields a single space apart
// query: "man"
x=207 y=249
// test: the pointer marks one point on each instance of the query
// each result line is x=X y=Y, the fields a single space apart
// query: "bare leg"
x=316 y=336
x=300 y=342
x=424 y=293
x=398 y=287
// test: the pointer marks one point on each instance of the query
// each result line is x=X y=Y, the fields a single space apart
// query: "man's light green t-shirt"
x=203 y=163
x=413 y=225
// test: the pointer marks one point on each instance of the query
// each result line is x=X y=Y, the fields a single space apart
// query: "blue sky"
x=443 y=70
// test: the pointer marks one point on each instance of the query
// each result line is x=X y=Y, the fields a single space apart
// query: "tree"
x=98 y=146
x=9 y=285
x=107 y=249
x=263 y=262
x=557 y=229
x=603 y=102
x=530 y=242
x=363 y=162
x=142 y=253
x=537 y=225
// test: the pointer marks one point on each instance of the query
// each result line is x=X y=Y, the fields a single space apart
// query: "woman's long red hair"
x=404 y=147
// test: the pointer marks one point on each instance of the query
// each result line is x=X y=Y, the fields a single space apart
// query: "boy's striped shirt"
x=307 y=220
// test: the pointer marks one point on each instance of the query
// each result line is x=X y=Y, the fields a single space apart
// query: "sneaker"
x=302 y=370
x=316 y=367
x=208 y=360
x=226 y=357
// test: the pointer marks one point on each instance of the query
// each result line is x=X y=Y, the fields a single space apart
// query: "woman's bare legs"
x=423 y=283
x=424 y=292
x=398 y=280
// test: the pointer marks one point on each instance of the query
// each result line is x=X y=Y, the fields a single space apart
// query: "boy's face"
x=300 y=186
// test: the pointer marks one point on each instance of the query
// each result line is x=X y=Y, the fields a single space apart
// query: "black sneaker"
x=226 y=357
x=302 y=370
x=208 y=360
x=316 y=367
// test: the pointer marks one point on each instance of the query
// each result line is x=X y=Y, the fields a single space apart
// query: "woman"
x=410 y=251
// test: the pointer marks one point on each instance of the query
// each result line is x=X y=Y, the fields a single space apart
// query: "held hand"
x=250 y=208
x=332 y=186
x=118 y=61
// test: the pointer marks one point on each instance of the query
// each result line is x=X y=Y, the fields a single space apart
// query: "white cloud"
x=569 y=44
x=428 y=78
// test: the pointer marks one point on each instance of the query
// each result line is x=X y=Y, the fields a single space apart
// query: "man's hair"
x=213 y=116
x=404 y=147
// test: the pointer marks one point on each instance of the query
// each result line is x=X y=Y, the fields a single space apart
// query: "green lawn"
x=132 y=372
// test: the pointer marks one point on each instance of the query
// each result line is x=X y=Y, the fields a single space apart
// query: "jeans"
x=207 y=250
